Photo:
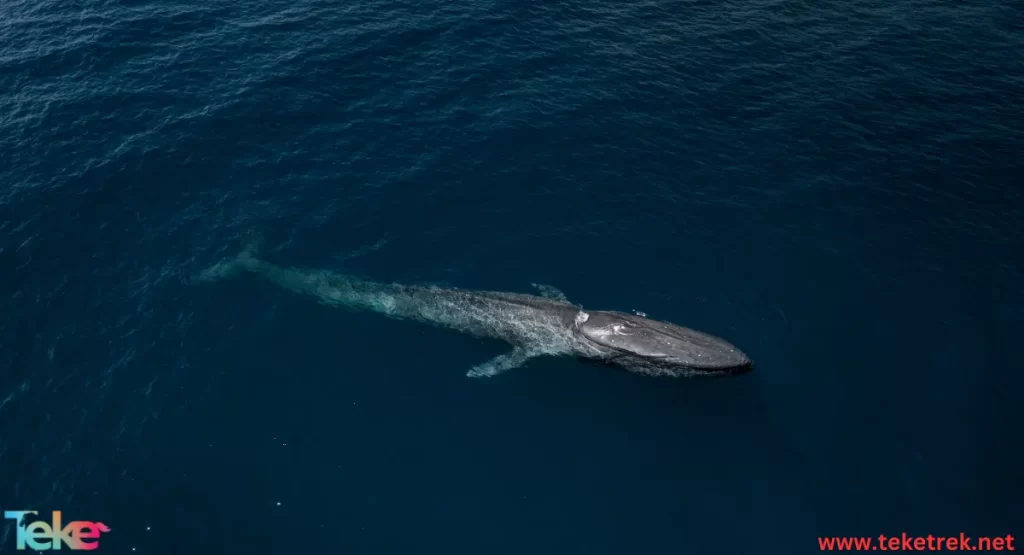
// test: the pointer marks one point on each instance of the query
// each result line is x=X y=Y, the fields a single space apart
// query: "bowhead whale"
x=534 y=325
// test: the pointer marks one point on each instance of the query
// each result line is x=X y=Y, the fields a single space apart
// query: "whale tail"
x=244 y=261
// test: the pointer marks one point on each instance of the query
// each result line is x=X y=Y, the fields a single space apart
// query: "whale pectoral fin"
x=550 y=292
x=501 y=363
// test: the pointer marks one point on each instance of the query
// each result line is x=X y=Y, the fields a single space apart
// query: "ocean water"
x=836 y=187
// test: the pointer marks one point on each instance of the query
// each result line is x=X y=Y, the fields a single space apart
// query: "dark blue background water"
x=835 y=186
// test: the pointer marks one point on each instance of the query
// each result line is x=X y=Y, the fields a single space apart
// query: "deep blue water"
x=836 y=187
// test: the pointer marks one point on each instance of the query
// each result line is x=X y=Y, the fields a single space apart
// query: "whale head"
x=648 y=346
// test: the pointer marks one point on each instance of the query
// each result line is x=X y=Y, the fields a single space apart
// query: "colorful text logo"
x=40 y=536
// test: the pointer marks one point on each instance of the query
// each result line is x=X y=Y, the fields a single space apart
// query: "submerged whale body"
x=534 y=325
